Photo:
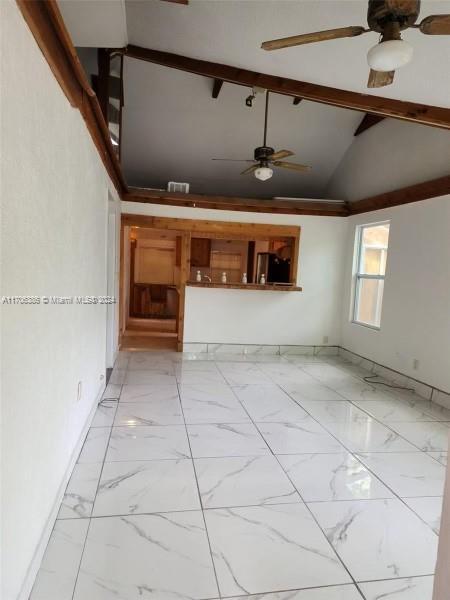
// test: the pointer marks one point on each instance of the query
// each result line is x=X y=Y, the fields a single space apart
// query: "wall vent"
x=174 y=186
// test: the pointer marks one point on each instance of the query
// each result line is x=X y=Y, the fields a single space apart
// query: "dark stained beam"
x=294 y=207
x=297 y=101
x=377 y=105
x=367 y=122
x=413 y=193
x=103 y=64
x=217 y=86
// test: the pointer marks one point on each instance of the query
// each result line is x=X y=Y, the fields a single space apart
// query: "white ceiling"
x=171 y=125
x=231 y=32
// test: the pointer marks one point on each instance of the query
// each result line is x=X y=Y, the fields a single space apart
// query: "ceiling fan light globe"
x=263 y=173
x=390 y=55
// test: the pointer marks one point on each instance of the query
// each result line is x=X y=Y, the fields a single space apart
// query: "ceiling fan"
x=388 y=18
x=266 y=156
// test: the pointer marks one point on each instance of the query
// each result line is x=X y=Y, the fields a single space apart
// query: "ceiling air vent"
x=174 y=186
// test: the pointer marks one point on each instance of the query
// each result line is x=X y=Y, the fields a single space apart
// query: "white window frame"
x=358 y=276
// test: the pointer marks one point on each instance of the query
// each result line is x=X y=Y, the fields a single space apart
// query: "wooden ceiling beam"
x=290 y=207
x=385 y=107
x=413 y=193
x=367 y=122
x=217 y=86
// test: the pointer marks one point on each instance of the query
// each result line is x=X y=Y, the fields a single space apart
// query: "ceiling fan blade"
x=380 y=78
x=308 y=38
x=250 y=169
x=293 y=166
x=281 y=154
x=234 y=159
x=436 y=25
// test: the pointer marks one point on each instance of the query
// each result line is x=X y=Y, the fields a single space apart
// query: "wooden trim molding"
x=413 y=193
x=47 y=26
x=385 y=107
x=289 y=207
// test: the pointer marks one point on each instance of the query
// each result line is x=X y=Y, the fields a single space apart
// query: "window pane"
x=369 y=295
x=374 y=245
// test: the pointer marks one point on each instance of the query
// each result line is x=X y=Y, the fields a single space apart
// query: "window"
x=371 y=254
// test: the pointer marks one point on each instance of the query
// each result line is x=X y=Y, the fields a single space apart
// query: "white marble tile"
x=288 y=375
x=391 y=410
x=148 y=443
x=241 y=481
x=430 y=437
x=80 y=492
x=378 y=539
x=440 y=413
x=122 y=360
x=268 y=403
x=429 y=510
x=407 y=474
x=200 y=378
x=330 y=375
x=389 y=375
x=368 y=436
x=334 y=592
x=360 y=390
x=296 y=438
x=421 y=389
x=439 y=456
x=412 y=588
x=166 y=411
x=326 y=350
x=441 y=399
x=312 y=390
x=150 y=361
x=104 y=415
x=146 y=486
x=94 y=446
x=327 y=477
x=243 y=373
x=264 y=349
x=156 y=377
x=223 y=439
x=221 y=357
x=58 y=572
x=304 y=359
x=268 y=548
x=147 y=556
x=112 y=391
x=117 y=376
x=211 y=404
x=146 y=393
x=186 y=366
x=333 y=411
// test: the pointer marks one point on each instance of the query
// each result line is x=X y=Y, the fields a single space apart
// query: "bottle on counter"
x=224 y=277
x=262 y=279
x=244 y=277
x=198 y=276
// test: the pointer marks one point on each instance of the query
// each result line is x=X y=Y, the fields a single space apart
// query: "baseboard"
x=50 y=523
x=268 y=349
x=422 y=389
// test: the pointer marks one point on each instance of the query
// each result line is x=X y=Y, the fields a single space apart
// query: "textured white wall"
x=54 y=196
x=391 y=155
x=415 y=320
x=264 y=317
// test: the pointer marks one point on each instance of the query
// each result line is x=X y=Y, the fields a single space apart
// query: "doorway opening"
x=152 y=288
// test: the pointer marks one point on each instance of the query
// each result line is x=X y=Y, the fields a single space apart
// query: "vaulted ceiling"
x=172 y=127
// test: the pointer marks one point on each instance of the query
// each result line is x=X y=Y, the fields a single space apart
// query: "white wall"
x=391 y=155
x=415 y=320
x=265 y=317
x=54 y=195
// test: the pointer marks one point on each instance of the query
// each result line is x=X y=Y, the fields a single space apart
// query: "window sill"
x=374 y=327
x=247 y=286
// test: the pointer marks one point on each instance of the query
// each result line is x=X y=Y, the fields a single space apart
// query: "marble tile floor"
x=288 y=478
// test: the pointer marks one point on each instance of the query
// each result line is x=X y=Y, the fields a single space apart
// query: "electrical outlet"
x=325 y=339
x=416 y=364
x=79 y=387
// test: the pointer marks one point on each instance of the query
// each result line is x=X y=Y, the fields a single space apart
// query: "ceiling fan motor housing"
x=382 y=12
x=263 y=153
